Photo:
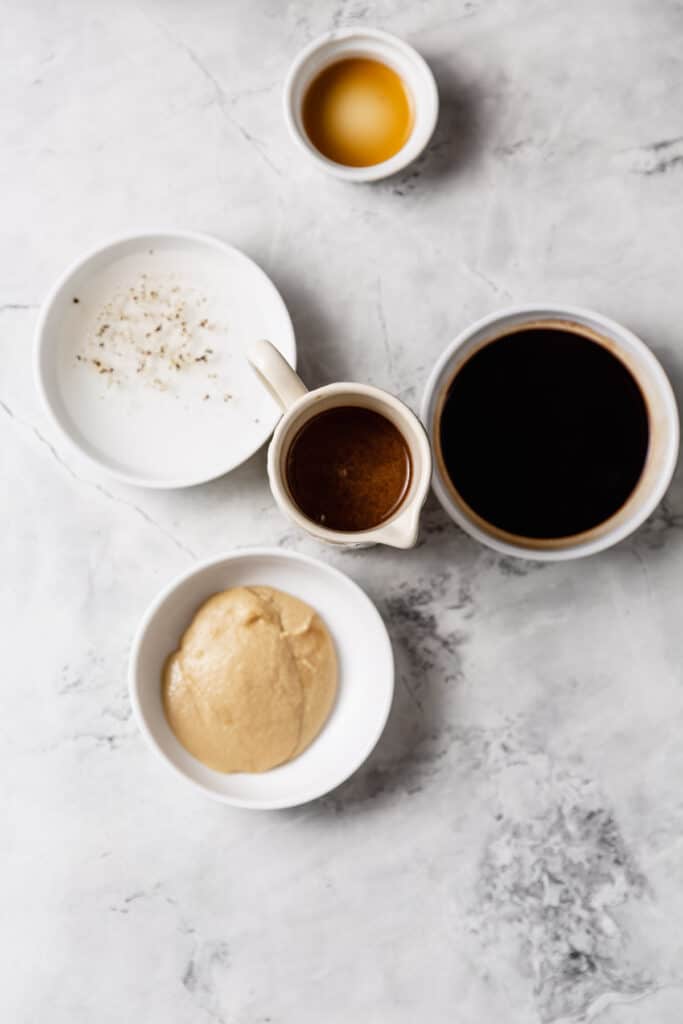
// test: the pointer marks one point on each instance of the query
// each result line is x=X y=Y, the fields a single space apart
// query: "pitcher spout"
x=403 y=532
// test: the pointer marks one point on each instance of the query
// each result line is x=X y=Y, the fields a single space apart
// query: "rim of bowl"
x=583 y=544
x=314 y=792
x=425 y=114
x=41 y=341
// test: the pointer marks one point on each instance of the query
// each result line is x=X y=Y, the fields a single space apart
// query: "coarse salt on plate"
x=140 y=357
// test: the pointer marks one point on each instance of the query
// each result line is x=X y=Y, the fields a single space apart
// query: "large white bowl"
x=366 y=675
x=135 y=432
x=663 y=426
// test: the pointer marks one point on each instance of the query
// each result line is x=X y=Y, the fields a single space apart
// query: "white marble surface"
x=513 y=850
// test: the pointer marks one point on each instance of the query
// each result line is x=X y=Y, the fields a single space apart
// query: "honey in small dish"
x=358 y=112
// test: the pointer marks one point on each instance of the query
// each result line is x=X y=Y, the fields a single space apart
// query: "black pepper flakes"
x=122 y=344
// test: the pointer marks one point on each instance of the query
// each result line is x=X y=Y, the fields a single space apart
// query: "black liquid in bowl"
x=544 y=433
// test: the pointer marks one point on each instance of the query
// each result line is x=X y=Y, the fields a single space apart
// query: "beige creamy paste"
x=253 y=680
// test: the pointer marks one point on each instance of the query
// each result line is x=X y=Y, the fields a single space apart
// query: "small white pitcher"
x=299 y=405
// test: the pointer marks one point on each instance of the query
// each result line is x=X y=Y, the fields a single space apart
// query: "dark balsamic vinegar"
x=544 y=432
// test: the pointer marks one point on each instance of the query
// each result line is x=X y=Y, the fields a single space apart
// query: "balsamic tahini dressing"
x=544 y=433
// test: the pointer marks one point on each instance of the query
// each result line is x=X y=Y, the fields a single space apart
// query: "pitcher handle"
x=275 y=373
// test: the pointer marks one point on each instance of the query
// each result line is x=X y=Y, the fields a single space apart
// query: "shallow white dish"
x=366 y=675
x=159 y=427
x=377 y=45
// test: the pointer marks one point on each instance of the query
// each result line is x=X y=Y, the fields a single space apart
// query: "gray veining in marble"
x=513 y=849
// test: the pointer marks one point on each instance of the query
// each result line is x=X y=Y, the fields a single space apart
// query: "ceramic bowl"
x=366 y=675
x=376 y=45
x=662 y=454
x=160 y=428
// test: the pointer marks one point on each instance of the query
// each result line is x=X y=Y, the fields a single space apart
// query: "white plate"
x=137 y=417
x=366 y=675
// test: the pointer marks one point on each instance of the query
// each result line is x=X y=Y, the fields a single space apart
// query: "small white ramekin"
x=377 y=45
